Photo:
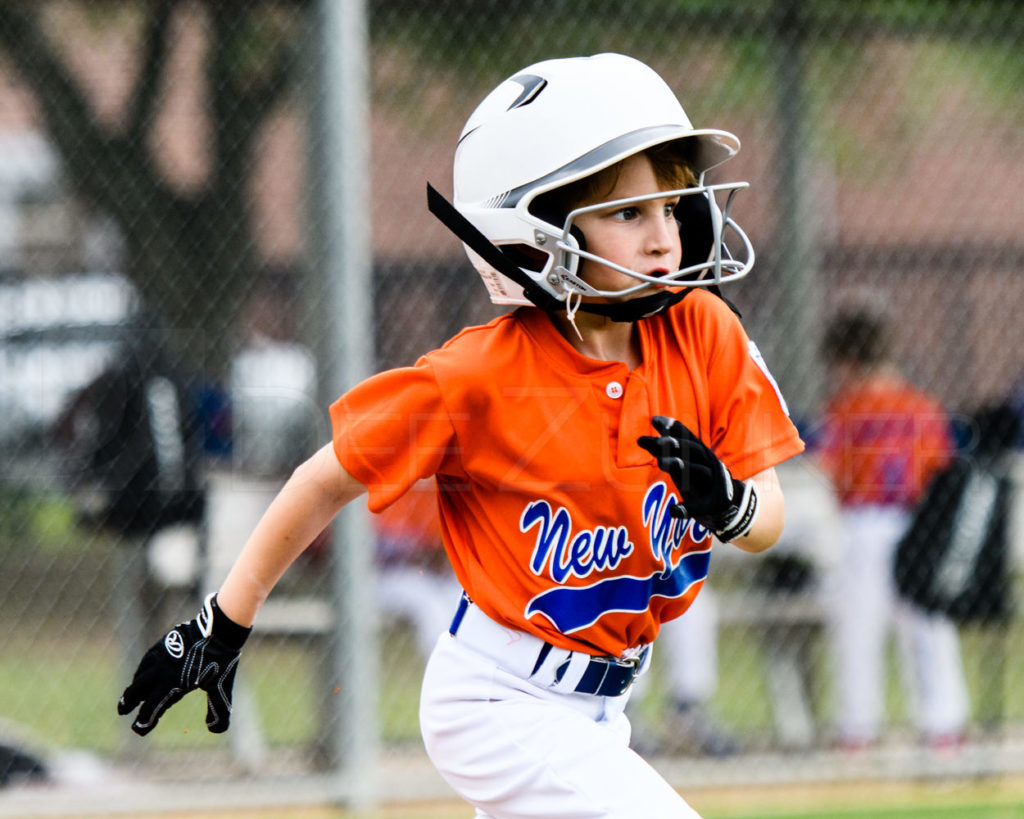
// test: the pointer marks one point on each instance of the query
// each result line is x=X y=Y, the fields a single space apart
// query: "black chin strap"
x=625 y=311
x=465 y=230
x=636 y=309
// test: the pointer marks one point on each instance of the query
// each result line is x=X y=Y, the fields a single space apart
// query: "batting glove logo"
x=174 y=644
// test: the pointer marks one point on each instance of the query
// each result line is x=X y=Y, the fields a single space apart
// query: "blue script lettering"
x=666 y=532
x=591 y=550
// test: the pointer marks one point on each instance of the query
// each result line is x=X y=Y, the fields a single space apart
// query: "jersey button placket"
x=613 y=389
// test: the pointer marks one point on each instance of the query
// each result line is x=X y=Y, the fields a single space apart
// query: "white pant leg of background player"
x=929 y=651
x=864 y=608
x=941 y=701
x=860 y=600
x=516 y=751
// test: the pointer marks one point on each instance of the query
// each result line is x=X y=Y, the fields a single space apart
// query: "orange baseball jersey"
x=882 y=442
x=555 y=521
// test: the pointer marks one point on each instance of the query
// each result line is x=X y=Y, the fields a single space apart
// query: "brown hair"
x=855 y=337
x=671 y=162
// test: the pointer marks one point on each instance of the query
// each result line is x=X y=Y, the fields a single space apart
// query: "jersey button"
x=613 y=390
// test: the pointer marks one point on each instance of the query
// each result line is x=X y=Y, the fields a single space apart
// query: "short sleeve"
x=392 y=430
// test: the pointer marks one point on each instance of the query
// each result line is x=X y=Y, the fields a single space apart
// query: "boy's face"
x=643 y=237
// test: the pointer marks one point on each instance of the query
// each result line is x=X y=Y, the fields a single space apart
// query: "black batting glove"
x=202 y=653
x=710 y=494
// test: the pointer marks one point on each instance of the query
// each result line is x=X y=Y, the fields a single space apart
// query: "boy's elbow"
x=324 y=472
x=772 y=530
x=759 y=540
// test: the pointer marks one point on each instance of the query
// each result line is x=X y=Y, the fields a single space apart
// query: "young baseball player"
x=883 y=440
x=588 y=447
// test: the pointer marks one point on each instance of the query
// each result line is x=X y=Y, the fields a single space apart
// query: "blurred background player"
x=882 y=441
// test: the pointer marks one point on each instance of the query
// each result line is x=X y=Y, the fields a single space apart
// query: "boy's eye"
x=631 y=212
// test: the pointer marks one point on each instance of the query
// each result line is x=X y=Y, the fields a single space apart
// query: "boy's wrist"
x=740 y=517
x=221 y=627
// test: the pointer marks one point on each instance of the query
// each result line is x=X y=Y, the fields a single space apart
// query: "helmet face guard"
x=703 y=264
x=563 y=120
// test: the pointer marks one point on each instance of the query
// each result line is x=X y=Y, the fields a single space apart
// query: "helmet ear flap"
x=553 y=215
x=696 y=228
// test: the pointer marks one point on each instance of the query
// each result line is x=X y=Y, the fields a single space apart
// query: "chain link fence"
x=165 y=356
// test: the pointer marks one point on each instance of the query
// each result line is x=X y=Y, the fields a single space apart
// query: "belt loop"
x=542 y=655
x=645 y=659
x=571 y=671
x=460 y=612
x=546 y=672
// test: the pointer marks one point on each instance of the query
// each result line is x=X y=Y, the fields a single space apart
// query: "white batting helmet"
x=562 y=120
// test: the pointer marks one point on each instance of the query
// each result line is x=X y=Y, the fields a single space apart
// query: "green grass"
x=937 y=801
x=991 y=798
x=61 y=687
x=743 y=702
x=60 y=690
x=959 y=810
x=972 y=811
x=61 y=683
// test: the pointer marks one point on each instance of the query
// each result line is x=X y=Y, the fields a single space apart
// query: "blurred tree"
x=189 y=247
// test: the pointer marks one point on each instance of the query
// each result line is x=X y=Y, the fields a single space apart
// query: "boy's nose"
x=662 y=236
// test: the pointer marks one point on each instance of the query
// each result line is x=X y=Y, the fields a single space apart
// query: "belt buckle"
x=638 y=655
x=629 y=668
x=636 y=662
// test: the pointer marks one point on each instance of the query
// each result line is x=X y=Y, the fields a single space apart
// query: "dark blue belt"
x=603 y=676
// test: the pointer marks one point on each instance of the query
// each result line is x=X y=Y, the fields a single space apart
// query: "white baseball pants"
x=517 y=751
